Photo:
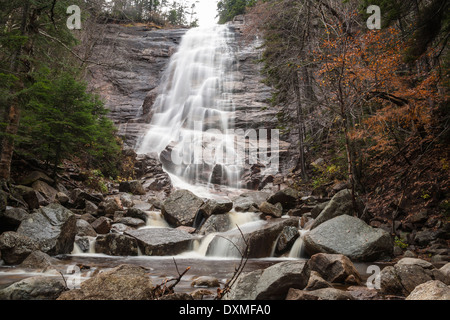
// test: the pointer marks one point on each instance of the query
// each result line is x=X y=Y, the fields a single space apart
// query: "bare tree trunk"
x=301 y=164
x=13 y=111
x=8 y=141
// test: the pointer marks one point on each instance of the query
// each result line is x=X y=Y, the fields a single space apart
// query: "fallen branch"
x=244 y=258
x=162 y=289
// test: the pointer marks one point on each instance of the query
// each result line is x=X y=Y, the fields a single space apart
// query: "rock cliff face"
x=136 y=61
x=133 y=60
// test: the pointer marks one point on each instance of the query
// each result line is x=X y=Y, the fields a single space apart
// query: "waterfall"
x=192 y=124
x=297 y=250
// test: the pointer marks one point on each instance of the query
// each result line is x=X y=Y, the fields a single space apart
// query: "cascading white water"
x=297 y=250
x=193 y=114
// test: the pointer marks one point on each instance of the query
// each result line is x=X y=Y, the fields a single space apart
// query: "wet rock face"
x=134 y=59
x=349 y=236
x=181 y=208
x=53 y=228
x=161 y=241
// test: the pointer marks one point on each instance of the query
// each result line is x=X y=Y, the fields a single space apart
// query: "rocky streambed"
x=56 y=244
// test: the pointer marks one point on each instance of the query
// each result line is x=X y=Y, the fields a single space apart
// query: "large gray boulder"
x=34 y=288
x=161 y=241
x=11 y=218
x=53 y=228
x=271 y=283
x=351 y=237
x=216 y=223
x=260 y=237
x=340 y=204
x=181 y=207
x=407 y=274
x=15 y=247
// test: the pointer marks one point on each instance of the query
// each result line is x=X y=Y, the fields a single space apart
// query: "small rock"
x=205 y=281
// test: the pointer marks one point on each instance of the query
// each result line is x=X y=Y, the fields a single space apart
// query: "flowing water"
x=192 y=123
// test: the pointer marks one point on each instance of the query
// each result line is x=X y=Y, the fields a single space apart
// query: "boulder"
x=340 y=204
x=110 y=206
x=115 y=244
x=218 y=206
x=181 y=207
x=316 y=282
x=161 y=241
x=446 y=270
x=287 y=197
x=296 y=294
x=351 y=237
x=287 y=238
x=407 y=274
x=102 y=225
x=132 y=222
x=331 y=294
x=11 y=218
x=15 y=247
x=136 y=213
x=249 y=201
x=34 y=288
x=79 y=198
x=52 y=227
x=125 y=282
x=35 y=176
x=215 y=223
x=90 y=207
x=84 y=228
x=120 y=228
x=127 y=200
x=271 y=283
x=270 y=209
x=335 y=268
x=38 y=260
x=318 y=209
x=31 y=198
x=47 y=191
x=430 y=290
x=260 y=236
x=134 y=187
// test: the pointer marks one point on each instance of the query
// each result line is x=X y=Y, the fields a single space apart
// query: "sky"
x=206 y=12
